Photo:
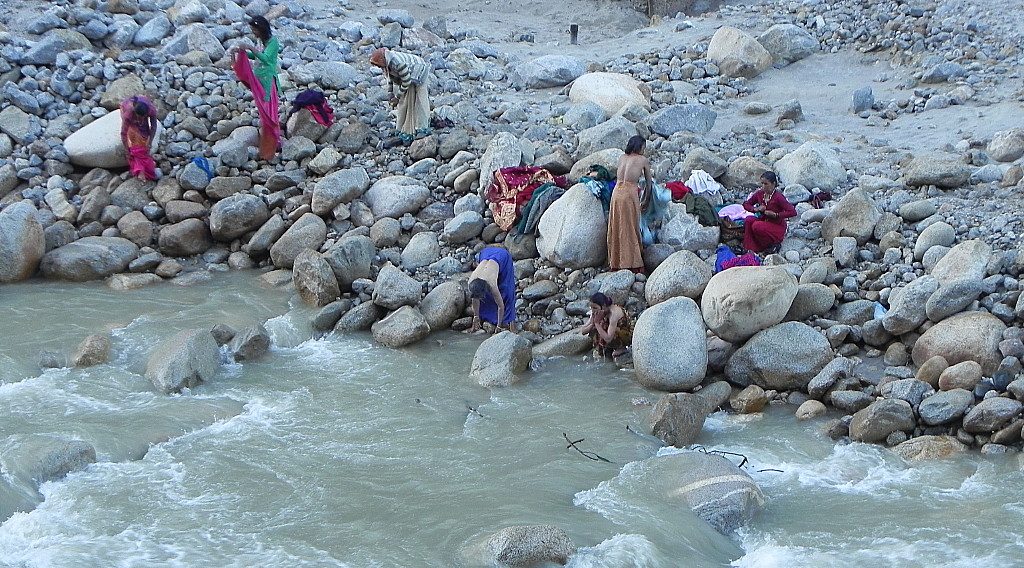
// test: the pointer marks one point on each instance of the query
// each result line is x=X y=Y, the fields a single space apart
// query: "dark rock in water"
x=716 y=489
x=678 y=418
x=222 y=334
x=328 y=316
x=251 y=343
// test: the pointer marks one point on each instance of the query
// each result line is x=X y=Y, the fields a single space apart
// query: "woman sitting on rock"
x=766 y=231
x=138 y=127
x=609 y=326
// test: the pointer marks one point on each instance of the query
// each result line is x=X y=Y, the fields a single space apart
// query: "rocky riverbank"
x=913 y=263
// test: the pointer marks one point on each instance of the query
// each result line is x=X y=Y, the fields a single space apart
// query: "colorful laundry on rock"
x=513 y=188
x=316 y=103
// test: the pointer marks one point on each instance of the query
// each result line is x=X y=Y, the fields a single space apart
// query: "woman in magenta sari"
x=768 y=228
x=262 y=81
x=138 y=127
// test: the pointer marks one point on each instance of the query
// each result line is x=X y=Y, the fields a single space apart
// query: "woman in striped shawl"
x=408 y=76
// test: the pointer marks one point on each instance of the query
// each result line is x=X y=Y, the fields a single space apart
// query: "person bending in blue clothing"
x=492 y=289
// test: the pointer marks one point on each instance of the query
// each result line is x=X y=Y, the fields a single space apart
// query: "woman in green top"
x=262 y=81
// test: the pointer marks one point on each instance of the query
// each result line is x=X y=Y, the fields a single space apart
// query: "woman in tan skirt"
x=624 y=244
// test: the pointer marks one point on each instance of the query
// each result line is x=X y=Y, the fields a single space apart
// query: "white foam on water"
x=619 y=551
x=850 y=468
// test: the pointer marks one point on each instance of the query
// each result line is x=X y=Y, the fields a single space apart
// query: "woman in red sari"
x=138 y=127
x=768 y=228
x=262 y=81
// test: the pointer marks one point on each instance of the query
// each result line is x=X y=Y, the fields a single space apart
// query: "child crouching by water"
x=609 y=326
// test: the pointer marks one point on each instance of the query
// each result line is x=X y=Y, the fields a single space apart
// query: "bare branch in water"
x=589 y=455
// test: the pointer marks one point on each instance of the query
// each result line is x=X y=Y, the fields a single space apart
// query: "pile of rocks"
x=916 y=262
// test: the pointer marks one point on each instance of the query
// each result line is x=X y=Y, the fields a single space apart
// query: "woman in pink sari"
x=138 y=127
x=262 y=81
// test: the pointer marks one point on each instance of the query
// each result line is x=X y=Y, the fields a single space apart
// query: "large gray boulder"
x=967 y=260
x=681 y=230
x=314 y=279
x=811 y=299
x=444 y=304
x=185 y=238
x=881 y=418
x=855 y=215
x=395 y=196
x=695 y=118
x=22 y=243
x=339 y=187
x=944 y=407
x=308 y=232
x=503 y=151
x=991 y=415
x=669 y=346
x=939 y=234
x=1006 y=145
x=812 y=165
x=564 y=344
x=34 y=459
x=54 y=42
x=404 y=326
x=611 y=91
x=237 y=215
x=422 y=250
x=788 y=43
x=683 y=273
x=783 y=357
x=572 y=233
x=967 y=336
x=98 y=144
x=907 y=309
x=952 y=297
x=500 y=359
x=717 y=490
x=334 y=75
x=91 y=258
x=350 y=259
x=678 y=418
x=925 y=448
x=547 y=71
x=738 y=54
x=941 y=170
x=359 y=318
x=741 y=301
x=394 y=288
x=612 y=133
x=250 y=344
x=186 y=360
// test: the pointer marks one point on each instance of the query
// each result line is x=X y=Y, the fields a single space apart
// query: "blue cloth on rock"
x=506 y=285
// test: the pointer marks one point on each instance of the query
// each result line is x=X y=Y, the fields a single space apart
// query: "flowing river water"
x=336 y=451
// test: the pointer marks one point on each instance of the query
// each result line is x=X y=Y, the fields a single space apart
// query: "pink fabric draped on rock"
x=141 y=163
x=270 y=126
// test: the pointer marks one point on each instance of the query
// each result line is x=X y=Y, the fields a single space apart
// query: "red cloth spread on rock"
x=512 y=188
x=678 y=189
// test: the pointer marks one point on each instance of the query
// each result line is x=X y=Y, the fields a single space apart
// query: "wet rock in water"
x=186 y=360
x=222 y=333
x=91 y=258
x=810 y=410
x=22 y=242
x=716 y=490
x=314 y=280
x=572 y=232
x=750 y=400
x=500 y=359
x=394 y=289
x=39 y=458
x=444 y=304
x=669 y=346
x=783 y=357
x=527 y=545
x=739 y=302
x=328 y=316
x=402 y=327
x=883 y=417
x=925 y=448
x=359 y=318
x=945 y=406
x=564 y=344
x=967 y=336
x=250 y=344
x=677 y=419
x=93 y=350
x=681 y=274
x=991 y=414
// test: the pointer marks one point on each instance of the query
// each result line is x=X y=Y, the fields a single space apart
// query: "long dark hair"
x=262 y=28
x=635 y=144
